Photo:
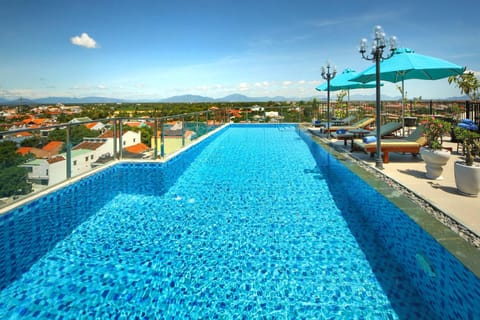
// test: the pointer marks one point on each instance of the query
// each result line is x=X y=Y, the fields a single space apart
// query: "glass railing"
x=35 y=159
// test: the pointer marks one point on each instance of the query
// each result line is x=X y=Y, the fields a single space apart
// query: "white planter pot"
x=434 y=162
x=467 y=178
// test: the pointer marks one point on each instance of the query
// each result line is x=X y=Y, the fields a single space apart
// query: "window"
x=74 y=162
x=86 y=159
x=91 y=157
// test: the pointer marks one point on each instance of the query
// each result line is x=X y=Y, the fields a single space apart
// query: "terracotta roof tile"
x=137 y=148
x=38 y=153
x=88 y=145
x=54 y=147
x=90 y=125
x=56 y=159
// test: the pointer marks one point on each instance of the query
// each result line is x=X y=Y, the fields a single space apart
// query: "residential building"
x=50 y=169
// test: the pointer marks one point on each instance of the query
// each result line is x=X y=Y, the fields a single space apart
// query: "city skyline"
x=155 y=50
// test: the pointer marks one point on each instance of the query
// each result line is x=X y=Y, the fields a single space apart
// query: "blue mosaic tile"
x=235 y=227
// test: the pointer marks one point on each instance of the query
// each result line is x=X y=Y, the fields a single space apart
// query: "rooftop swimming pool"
x=255 y=221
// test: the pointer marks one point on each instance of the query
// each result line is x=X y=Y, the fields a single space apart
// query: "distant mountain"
x=188 y=98
x=63 y=100
x=70 y=100
x=230 y=98
x=235 y=98
x=21 y=101
x=242 y=98
x=461 y=98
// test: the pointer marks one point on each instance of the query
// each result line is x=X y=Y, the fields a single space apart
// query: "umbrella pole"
x=348 y=101
x=378 y=159
x=403 y=108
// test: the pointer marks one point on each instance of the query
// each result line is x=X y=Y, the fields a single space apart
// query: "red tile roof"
x=38 y=153
x=137 y=148
x=90 y=125
x=56 y=159
x=24 y=150
x=23 y=134
x=54 y=147
x=88 y=145
x=108 y=134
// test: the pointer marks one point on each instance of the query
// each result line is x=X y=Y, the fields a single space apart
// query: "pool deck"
x=409 y=171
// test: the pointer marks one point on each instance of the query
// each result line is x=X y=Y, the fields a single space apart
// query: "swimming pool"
x=255 y=221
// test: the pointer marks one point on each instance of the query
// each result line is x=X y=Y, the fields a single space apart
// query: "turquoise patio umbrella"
x=343 y=82
x=405 y=64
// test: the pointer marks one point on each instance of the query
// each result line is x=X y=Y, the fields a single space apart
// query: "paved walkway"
x=410 y=172
x=443 y=194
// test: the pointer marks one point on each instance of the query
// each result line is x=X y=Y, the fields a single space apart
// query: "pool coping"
x=452 y=235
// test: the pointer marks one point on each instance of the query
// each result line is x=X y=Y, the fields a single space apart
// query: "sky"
x=154 y=49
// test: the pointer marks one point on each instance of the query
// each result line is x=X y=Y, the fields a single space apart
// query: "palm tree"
x=468 y=84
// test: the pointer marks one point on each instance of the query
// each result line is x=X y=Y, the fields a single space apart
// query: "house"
x=46 y=172
x=173 y=140
x=38 y=153
x=53 y=170
x=81 y=119
x=49 y=150
x=101 y=148
x=17 y=137
x=53 y=147
x=138 y=150
x=70 y=109
x=129 y=138
x=95 y=126
x=49 y=169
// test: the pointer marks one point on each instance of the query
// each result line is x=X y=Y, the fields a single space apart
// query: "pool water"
x=255 y=226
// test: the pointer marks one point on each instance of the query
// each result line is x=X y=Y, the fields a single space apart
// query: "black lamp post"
x=378 y=45
x=327 y=75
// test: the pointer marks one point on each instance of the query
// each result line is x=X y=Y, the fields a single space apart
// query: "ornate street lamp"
x=378 y=45
x=327 y=75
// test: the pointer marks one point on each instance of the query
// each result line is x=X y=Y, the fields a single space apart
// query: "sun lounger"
x=410 y=144
x=387 y=129
x=337 y=122
x=363 y=123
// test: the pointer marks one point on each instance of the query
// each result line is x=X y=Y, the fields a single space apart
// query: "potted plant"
x=467 y=173
x=433 y=154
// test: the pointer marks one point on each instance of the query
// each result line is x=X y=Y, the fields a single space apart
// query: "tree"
x=9 y=156
x=57 y=135
x=468 y=84
x=341 y=112
x=77 y=133
x=35 y=142
x=13 y=179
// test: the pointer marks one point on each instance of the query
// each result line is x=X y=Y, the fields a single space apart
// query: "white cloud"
x=243 y=86
x=84 y=40
x=262 y=84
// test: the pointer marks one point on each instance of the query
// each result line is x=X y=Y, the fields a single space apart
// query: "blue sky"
x=156 y=49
